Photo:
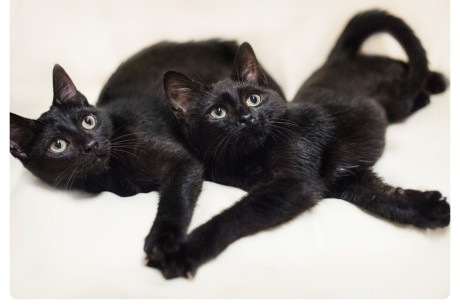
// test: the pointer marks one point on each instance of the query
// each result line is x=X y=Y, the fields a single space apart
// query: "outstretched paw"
x=163 y=239
x=432 y=209
x=174 y=266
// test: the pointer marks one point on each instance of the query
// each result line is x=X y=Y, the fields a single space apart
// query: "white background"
x=71 y=245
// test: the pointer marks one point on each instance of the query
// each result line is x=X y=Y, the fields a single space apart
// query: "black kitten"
x=323 y=144
x=128 y=143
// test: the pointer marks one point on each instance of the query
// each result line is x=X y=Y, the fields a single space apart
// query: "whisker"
x=120 y=150
x=62 y=175
x=71 y=177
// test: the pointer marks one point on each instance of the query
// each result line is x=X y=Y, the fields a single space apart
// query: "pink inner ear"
x=67 y=95
x=183 y=98
x=13 y=145
x=66 y=91
x=252 y=76
x=16 y=150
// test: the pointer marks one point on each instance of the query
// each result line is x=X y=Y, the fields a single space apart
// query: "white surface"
x=72 y=245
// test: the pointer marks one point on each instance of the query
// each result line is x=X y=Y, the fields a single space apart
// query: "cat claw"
x=172 y=268
x=190 y=276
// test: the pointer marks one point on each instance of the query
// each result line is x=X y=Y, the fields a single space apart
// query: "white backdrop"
x=72 y=245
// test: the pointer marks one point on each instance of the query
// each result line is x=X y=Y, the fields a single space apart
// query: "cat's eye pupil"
x=218 y=112
x=253 y=100
x=58 y=146
x=88 y=122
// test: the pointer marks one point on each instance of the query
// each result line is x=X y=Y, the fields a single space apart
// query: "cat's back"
x=359 y=76
x=140 y=78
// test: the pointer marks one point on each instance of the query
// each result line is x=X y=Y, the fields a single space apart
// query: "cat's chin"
x=100 y=163
x=251 y=143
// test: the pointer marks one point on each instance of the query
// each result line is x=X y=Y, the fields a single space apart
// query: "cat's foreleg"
x=423 y=209
x=264 y=208
x=180 y=186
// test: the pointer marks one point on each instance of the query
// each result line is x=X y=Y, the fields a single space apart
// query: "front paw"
x=432 y=209
x=163 y=239
x=175 y=265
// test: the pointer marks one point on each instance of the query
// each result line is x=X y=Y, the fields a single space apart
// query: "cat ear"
x=64 y=89
x=246 y=67
x=181 y=91
x=21 y=134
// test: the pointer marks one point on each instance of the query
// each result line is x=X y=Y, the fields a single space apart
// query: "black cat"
x=128 y=143
x=288 y=156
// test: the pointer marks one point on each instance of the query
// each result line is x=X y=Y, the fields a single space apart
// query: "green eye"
x=253 y=100
x=58 y=146
x=89 y=122
x=218 y=112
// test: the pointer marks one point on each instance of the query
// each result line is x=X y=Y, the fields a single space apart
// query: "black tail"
x=365 y=24
x=436 y=83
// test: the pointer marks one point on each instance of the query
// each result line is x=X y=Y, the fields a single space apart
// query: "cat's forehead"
x=231 y=91
x=234 y=86
x=63 y=111
x=63 y=116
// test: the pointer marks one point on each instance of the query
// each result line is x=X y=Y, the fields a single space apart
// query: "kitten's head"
x=233 y=115
x=68 y=142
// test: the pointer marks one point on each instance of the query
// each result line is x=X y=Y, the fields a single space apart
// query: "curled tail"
x=365 y=24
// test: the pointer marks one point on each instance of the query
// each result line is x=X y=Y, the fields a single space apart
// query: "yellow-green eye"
x=89 y=122
x=58 y=146
x=218 y=112
x=253 y=100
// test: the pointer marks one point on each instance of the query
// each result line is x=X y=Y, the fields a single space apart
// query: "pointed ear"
x=181 y=91
x=64 y=89
x=21 y=134
x=246 y=67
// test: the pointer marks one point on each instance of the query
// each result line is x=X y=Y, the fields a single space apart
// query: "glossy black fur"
x=134 y=146
x=322 y=144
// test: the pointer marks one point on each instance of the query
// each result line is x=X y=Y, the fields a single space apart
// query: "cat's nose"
x=91 y=145
x=247 y=119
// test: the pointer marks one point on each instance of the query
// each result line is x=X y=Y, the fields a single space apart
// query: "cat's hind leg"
x=423 y=209
x=436 y=83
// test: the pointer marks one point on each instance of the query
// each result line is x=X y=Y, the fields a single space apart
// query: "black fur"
x=323 y=144
x=133 y=146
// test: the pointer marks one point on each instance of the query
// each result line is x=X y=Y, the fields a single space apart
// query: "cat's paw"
x=163 y=239
x=174 y=266
x=432 y=209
